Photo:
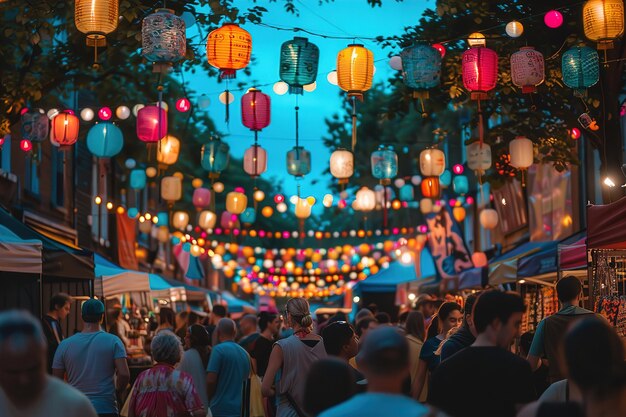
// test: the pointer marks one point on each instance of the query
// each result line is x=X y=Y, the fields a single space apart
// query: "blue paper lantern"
x=138 y=179
x=298 y=161
x=132 y=212
x=248 y=216
x=407 y=193
x=105 y=140
x=163 y=219
x=384 y=164
x=214 y=157
x=580 y=66
x=445 y=179
x=460 y=184
x=421 y=67
x=299 y=60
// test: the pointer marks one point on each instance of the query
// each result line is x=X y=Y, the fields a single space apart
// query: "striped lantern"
x=255 y=110
x=65 y=127
x=580 y=66
x=527 y=69
x=214 y=157
x=355 y=70
x=480 y=71
x=228 y=48
x=603 y=21
x=299 y=60
x=96 y=19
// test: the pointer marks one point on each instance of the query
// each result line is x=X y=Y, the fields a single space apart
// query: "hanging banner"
x=549 y=203
x=126 y=238
x=446 y=245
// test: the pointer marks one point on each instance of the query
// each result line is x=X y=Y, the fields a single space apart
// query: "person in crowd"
x=59 y=309
x=218 y=313
x=163 y=391
x=373 y=308
x=425 y=304
x=459 y=385
x=415 y=335
x=465 y=336
x=269 y=323
x=448 y=316
x=540 y=375
x=196 y=359
x=361 y=314
x=26 y=390
x=329 y=382
x=248 y=327
x=365 y=325
x=383 y=318
x=384 y=359
x=550 y=331
x=402 y=319
x=94 y=361
x=228 y=369
x=167 y=319
x=193 y=318
x=120 y=327
x=182 y=324
x=293 y=356
x=341 y=341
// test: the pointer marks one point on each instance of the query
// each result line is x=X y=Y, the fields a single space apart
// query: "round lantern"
x=35 y=126
x=303 y=208
x=171 y=189
x=459 y=214
x=355 y=70
x=163 y=37
x=180 y=220
x=342 y=164
x=431 y=187
x=228 y=48
x=163 y=234
x=479 y=259
x=298 y=161
x=407 y=193
x=522 y=152
x=96 y=19
x=228 y=220
x=138 y=179
x=603 y=21
x=201 y=198
x=384 y=164
x=366 y=199
x=105 y=140
x=206 y=219
x=168 y=150
x=426 y=205
x=255 y=110
x=145 y=226
x=432 y=162
x=489 y=218
x=460 y=184
x=214 y=157
x=514 y=29
x=580 y=66
x=476 y=39
x=478 y=157
x=236 y=202
x=421 y=67
x=299 y=60
x=248 y=216
x=480 y=71
x=255 y=161
x=151 y=124
x=64 y=129
x=527 y=69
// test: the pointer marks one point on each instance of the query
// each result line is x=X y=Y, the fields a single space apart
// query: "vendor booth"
x=114 y=280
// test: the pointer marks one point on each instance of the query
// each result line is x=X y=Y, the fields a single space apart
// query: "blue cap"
x=92 y=307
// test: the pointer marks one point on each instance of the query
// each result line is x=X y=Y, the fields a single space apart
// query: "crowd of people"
x=438 y=359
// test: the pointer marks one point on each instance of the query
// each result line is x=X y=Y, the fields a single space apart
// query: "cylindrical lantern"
x=180 y=220
x=355 y=70
x=384 y=164
x=105 y=140
x=522 y=152
x=479 y=259
x=299 y=59
x=255 y=161
x=603 y=21
x=201 y=197
x=171 y=189
x=366 y=199
x=228 y=220
x=168 y=150
x=96 y=19
x=342 y=164
x=460 y=184
x=151 y=124
x=431 y=187
x=407 y=192
x=35 y=126
x=255 y=109
x=207 y=219
x=214 y=157
x=580 y=66
x=163 y=37
x=138 y=179
x=303 y=208
x=488 y=218
x=298 y=161
x=480 y=71
x=478 y=156
x=527 y=69
x=228 y=48
x=432 y=162
x=459 y=214
x=426 y=205
x=421 y=67
x=64 y=129
x=236 y=202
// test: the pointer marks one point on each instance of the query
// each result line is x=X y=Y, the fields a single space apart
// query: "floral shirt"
x=163 y=391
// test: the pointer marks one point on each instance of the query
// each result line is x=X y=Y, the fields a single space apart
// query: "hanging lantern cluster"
x=580 y=66
x=299 y=61
x=163 y=39
x=228 y=49
x=255 y=115
x=421 y=70
x=527 y=69
x=603 y=21
x=342 y=165
x=214 y=157
x=105 y=140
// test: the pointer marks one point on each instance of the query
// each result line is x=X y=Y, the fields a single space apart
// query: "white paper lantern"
x=87 y=114
x=514 y=29
x=527 y=69
x=489 y=218
x=432 y=162
x=180 y=220
x=478 y=156
x=366 y=199
x=522 y=152
x=395 y=62
x=207 y=219
x=342 y=164
x=122 y=112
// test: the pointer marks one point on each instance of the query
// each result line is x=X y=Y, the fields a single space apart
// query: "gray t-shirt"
x=89 y=361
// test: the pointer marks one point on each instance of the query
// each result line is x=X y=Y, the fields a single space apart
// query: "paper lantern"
x=207 y=219
x=180 y=220
x=228 y=220
x=151 y=124
x=580 y=66
x=355 y=70
x=96 y=19
x=476 y=39
x=480 y=71
x=303 y=208
x=460 y=184
x=407 y=193
x=255 y=161
x=168 y=150
x=426 y=205
x=267 y=211
x=228 y=48
x=248 y=216
x=384 y=164
x=527 y=69
x=298 y=161
x=478 y=156
x=432 y=162
x=342 y=164
x=201 y=197
x=431 y=187
x=236 y=202
x=553 y=19
x=145 y=226
x=603 y=21
x=459 y=214
x=299 y=60
x=479 y=259
x=488 y=218
x=214 y=157
x=171 y=189
x=255 y=110
x=163 y=234
x=35 y=126
x=64 y=129
x=522 y=152
x=163 y=37
x=514 y=29
x=105 y=140
x=421 y=67
x=138 y=179
x=366 y=199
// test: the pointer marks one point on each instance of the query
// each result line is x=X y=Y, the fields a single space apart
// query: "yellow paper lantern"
x=197 y=183
x=603 y=21
x=476 y=39
x=236 y=202
x=228 y=48
x=459 y=214
x=267 y=211
x=168 y=150
x=171 y=189
x=258 y=195
x=489 y=218
x=180 y=220
x=303 y=208
x=207 y=219
x=355 y=70
x=96 y=19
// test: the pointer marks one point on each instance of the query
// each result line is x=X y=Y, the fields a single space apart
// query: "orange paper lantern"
x=431 y=187
x=65 y=129
x=228 y=48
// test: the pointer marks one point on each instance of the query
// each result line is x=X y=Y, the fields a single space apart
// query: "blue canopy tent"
x=503 y=269
x=541 y=265
x=235 y=305
x=388 y=279
x=116 y=280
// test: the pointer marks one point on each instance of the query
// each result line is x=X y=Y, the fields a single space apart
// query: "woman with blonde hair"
x=293 y=356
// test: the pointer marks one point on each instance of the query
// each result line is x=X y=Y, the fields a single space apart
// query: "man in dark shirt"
x=466 y=335
x=499 y=380
x=51 y=324
x=340 y=340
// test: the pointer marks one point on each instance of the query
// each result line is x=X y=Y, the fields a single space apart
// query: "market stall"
x=503 y=269
x=115 y=280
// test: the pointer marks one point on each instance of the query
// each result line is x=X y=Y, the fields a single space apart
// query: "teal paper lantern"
x=214 y=157
x=248 y=216
x=299 y=60
x=298 y=161
x=138 y=179
x=384 y=163
x=105 y=140
x=407 y=193
x=445 y=179
x=460 y=184
x=132 y=212
x=163 y=219
x=580 y=66
x=421 y=67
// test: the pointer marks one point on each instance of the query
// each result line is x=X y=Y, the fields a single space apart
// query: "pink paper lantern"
x=479 y=259
x=553 y=19
x=151 y=124
x=105 y=113
x=183 y=105
x=480 y=71
x=255 y=110
x=527 y=69
x=228 y=221
x=255 y=161
x=201 y=198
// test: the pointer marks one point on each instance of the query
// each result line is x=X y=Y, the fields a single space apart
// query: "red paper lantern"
x=255 y=109
x=480 y=71
x=65 y=129
x=151 y=124
x=431 y=187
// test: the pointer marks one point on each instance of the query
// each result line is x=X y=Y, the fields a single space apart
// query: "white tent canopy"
x=117 y=280
x=19 y=255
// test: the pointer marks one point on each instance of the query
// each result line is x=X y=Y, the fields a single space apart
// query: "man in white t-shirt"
x=91 y=359
x=25 y=388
